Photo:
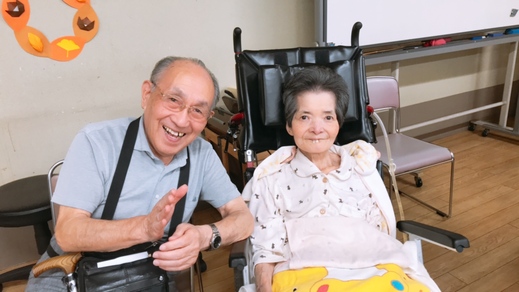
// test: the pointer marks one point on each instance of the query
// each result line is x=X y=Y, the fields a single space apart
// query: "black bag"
x=140 y=275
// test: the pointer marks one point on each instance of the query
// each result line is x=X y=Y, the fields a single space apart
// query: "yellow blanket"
x=317 y=279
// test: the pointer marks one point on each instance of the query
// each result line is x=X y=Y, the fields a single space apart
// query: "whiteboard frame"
x=417 y=22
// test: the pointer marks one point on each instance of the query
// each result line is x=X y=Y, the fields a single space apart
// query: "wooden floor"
x=486 y=210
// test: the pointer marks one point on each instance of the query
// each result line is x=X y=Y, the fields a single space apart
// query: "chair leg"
x=438 y=211
x=42 y=234
x=451 y=191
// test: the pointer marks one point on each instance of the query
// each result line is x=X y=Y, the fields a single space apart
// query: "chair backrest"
x=260 y=77
x=52 y=180
x=383 y=92
x=384 y=95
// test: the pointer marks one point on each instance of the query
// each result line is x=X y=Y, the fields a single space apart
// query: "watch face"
x=217 y=241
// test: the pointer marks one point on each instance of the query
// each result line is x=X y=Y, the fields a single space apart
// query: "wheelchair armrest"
x=237 y=256
x=238 y=262
x=434 y=235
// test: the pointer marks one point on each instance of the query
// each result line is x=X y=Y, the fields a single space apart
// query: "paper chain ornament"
x=85 y=25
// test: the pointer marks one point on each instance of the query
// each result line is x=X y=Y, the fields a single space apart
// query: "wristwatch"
x=216 y=239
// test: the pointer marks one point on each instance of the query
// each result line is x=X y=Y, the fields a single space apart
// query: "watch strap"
x=216 y=234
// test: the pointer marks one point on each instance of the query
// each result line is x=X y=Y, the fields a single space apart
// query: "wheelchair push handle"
x=236 y=37
x=355 y=31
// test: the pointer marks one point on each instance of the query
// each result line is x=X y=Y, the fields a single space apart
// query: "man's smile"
x=173 y=133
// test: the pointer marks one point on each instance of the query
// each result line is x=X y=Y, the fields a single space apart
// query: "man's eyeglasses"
x=175 y=103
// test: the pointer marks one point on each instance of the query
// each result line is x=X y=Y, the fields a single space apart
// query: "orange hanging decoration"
x=85 y=24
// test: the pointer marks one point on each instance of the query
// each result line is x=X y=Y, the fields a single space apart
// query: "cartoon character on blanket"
x=321 y=234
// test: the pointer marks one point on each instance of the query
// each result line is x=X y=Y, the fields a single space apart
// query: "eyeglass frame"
x=181 y=102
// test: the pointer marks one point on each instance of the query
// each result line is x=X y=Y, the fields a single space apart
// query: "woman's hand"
x=264 y=273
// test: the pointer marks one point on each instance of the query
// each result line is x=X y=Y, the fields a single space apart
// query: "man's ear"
x=289 y=130
x=146 y=89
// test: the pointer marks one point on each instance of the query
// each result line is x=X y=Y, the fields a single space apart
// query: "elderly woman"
x=323 y=218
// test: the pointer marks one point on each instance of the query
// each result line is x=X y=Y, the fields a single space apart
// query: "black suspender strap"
x=120 y=174
x=183 y=179
x=120 y=171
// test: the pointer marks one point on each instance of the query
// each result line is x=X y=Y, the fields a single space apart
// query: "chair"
x=410 y=155
x=25 y=202
x=184 y=280
x=260 y=76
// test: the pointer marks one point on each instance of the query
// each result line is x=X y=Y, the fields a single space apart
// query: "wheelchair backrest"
x=260 y=78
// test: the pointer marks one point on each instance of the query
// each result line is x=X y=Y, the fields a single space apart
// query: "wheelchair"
x=260 y=75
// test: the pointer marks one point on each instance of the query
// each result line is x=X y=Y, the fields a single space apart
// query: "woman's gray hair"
x=316 y=79
x=167 y=62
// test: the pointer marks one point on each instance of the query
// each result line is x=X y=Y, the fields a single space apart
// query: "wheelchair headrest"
x=271 y=82
x=261 y=76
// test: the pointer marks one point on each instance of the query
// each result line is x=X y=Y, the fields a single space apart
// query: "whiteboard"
x=391 y=21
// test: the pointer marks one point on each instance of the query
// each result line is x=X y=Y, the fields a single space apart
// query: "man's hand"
x=160 y=215
x=109 y=235
x=181 y=250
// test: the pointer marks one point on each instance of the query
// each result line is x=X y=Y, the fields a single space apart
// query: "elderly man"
x=177 y=102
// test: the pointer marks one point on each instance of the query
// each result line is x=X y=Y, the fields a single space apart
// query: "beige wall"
x=45 y=102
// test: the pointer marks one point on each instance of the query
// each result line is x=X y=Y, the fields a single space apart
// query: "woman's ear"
x=289 y=130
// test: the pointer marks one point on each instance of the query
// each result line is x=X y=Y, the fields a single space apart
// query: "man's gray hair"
x=166 y=62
